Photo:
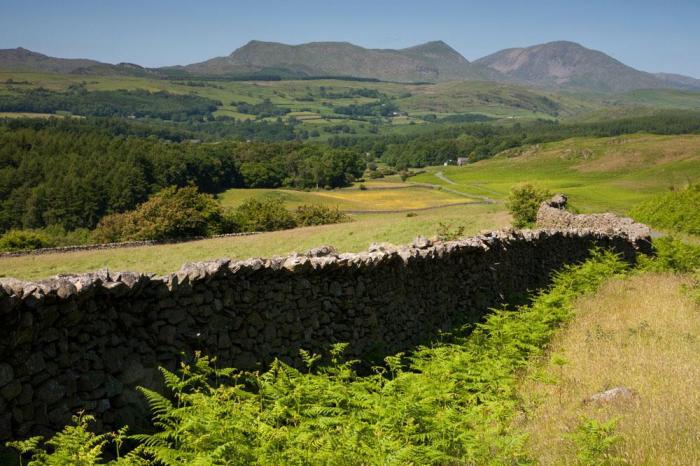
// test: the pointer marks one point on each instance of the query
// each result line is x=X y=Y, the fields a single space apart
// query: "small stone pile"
x=553 y=214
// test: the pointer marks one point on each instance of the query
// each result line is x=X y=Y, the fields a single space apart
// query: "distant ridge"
x=433 y=61
x=679 y=81
x=21 y=59
x=564 y=64
x=554 y=65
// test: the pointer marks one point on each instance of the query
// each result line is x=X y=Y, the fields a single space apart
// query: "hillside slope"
x=566 y=64
x=599 y=174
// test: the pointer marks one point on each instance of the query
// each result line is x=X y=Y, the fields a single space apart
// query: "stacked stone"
x=84 y=342
x=552 y=214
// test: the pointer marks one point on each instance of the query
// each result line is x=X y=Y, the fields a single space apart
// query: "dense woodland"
x=139 y=103
x=71 y=173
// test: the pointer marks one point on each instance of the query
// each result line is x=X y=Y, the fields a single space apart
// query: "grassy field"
x=28 y=115
x=640 y=333
x=352 y=236
x=597 y=173
x=378 y=197
x=312 y=102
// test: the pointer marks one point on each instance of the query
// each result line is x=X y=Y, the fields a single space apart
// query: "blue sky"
x=649 y=35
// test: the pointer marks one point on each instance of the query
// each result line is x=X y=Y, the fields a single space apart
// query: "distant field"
x=352 y=236
x=597 y=173
x=26 y=115
x=313 y=102
x=382 y=197
x=664 y=98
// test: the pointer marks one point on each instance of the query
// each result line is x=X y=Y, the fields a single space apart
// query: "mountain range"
x=554 y=65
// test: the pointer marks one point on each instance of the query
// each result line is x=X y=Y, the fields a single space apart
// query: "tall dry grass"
x=642 y=333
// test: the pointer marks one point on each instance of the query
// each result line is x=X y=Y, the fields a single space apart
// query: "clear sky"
x=649 y=35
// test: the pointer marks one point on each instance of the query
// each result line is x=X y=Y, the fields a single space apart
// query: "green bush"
x=23 y=240
x=76 y=445
x=171 y=213
x=48 y=237
x=58 y=236
x=314 y=214
x=676 y=210
x=112 y=228
x=524 y=202
x=264 y=215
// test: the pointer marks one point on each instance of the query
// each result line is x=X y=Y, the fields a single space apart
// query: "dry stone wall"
x=86 y=341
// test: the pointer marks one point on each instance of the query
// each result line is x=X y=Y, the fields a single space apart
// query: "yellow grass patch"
x=642 y=333
x=380 y=197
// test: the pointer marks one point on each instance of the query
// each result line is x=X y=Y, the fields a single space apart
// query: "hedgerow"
x=453 y=402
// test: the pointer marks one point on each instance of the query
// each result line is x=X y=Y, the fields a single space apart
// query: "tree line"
x=122 y=103
x=71 y=174
x=435 y=145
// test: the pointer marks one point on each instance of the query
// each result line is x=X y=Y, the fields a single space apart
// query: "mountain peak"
x=436 y=49
x=567 y=64
x=563 y=43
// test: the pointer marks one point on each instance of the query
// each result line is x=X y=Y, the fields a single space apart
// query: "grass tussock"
x=642 y=333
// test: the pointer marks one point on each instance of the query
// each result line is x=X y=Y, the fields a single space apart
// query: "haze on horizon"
x=647 y=35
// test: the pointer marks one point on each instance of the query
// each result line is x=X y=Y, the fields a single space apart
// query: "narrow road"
x=442 y=176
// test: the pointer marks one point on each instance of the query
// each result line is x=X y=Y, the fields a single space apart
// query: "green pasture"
x=355 y=235
x=598 y=174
